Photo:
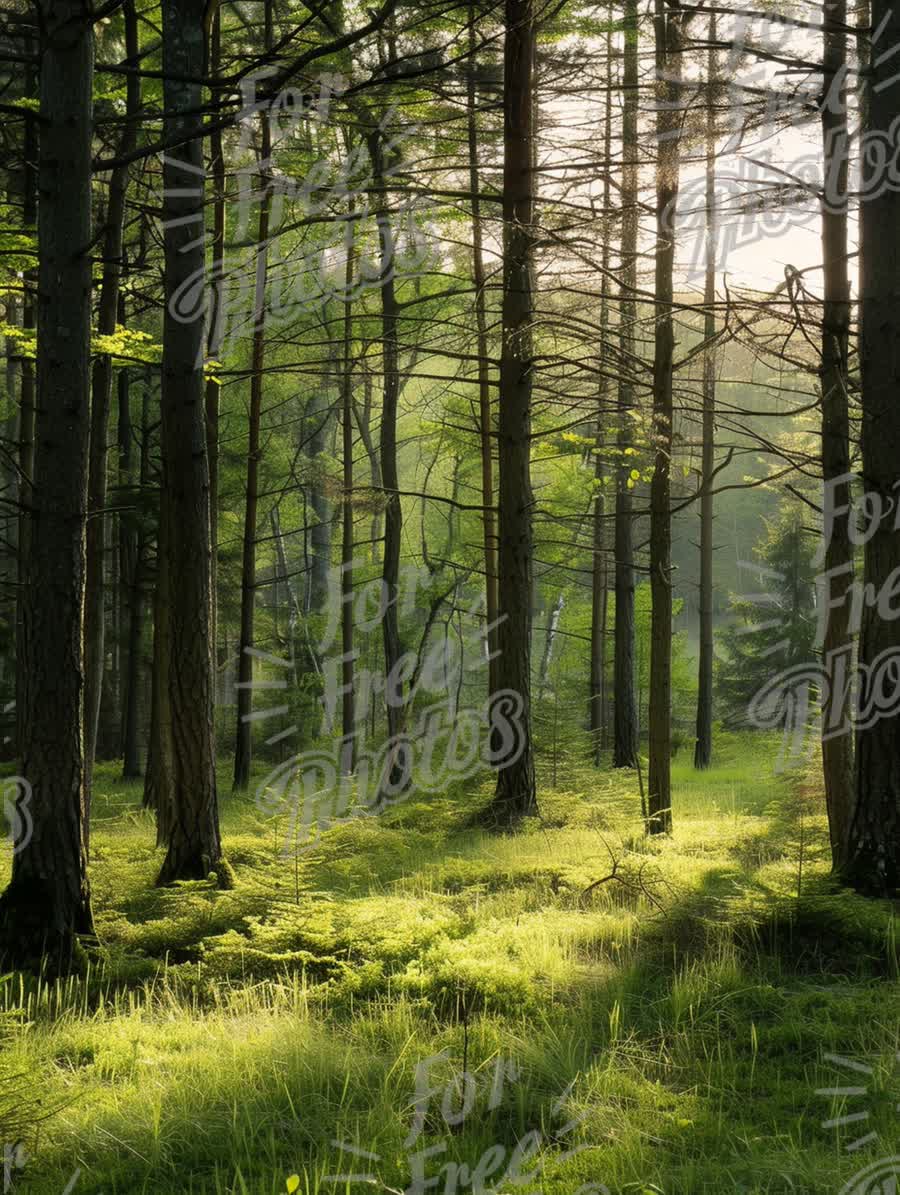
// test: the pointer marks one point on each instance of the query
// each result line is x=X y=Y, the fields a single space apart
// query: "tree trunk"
x=625 y=718
x=396 y=768
x=101 y=395
x=131 y=764
x=348 y=697
x=189 y=815
x=597 y=704
x=515 y=795
x=837 y=749
x=319 y=412
x=214 y=341
x=243 y=737
x=668 y=64
x=26 y=393
x=47 y=904
x=488 y=517
x=872 y=859
x=703 y=744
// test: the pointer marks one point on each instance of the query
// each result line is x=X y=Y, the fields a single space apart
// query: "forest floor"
x=669 y=1031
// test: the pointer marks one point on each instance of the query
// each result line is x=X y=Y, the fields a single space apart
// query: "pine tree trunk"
x=395 y=777
x=703 y=744
x=243 y=736
x=348 y=697
x=134 y=604
x=668 y=62
x=872 y=855
x=188 y=809
x=488 y=517
x=47 y=904
x=26 y=393
x=214 y=342
x=597 y=704
x=515 y=795
x=101 y=396
x=837 y=749
x=319 y=414
x=625 y=717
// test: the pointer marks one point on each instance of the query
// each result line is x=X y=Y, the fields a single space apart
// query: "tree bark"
x=872 y=859
x=26 y=393
x=243 y=737
x=319 y=413
x=625 y=717
x=396 y=767
x=703 y=744
x=485 y=421
x=215 y=337
x=515 y=795
x=348 y=697
x=668 y=64
x=597 y=704
x=837 y=750
x=189 y=817
x=47 y=904
x=131 y=763
x=101 y=395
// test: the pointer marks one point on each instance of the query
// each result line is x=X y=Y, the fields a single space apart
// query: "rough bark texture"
x=318 y=424
x=26 y=393
x=597 y=704
x=703 y=744
x=216 y=327
x=489 y=514
x=393 y=509
x=837 y=750
x=515 y=795
x=47 y=904
x=188 y=808
x=625 y=719
x=133 y=580
x=668 y=62
x=348 y=697
x=872 y=861
x=243 y=735
x=101 y=397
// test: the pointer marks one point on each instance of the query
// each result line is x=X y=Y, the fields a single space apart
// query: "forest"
x=449 y=597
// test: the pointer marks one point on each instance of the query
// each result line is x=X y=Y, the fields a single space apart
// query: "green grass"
x=671 y=1027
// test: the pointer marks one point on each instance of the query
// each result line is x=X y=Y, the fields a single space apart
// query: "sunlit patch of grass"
x=671 y=1024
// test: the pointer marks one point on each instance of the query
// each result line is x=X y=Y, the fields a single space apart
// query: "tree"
x=703 y=744
x=47 y=904
x=396 y=774
x=667 y=27
x=485 y=417
x=837 y=750
x=188 y=807
x=101 y=396
x=625 y=721
x=872 y=849
x=599 y=563
x=774 y=628
x=515 y=795
x=243 y=736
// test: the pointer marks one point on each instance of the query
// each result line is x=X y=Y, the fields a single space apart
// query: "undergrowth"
x=662 y=1015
